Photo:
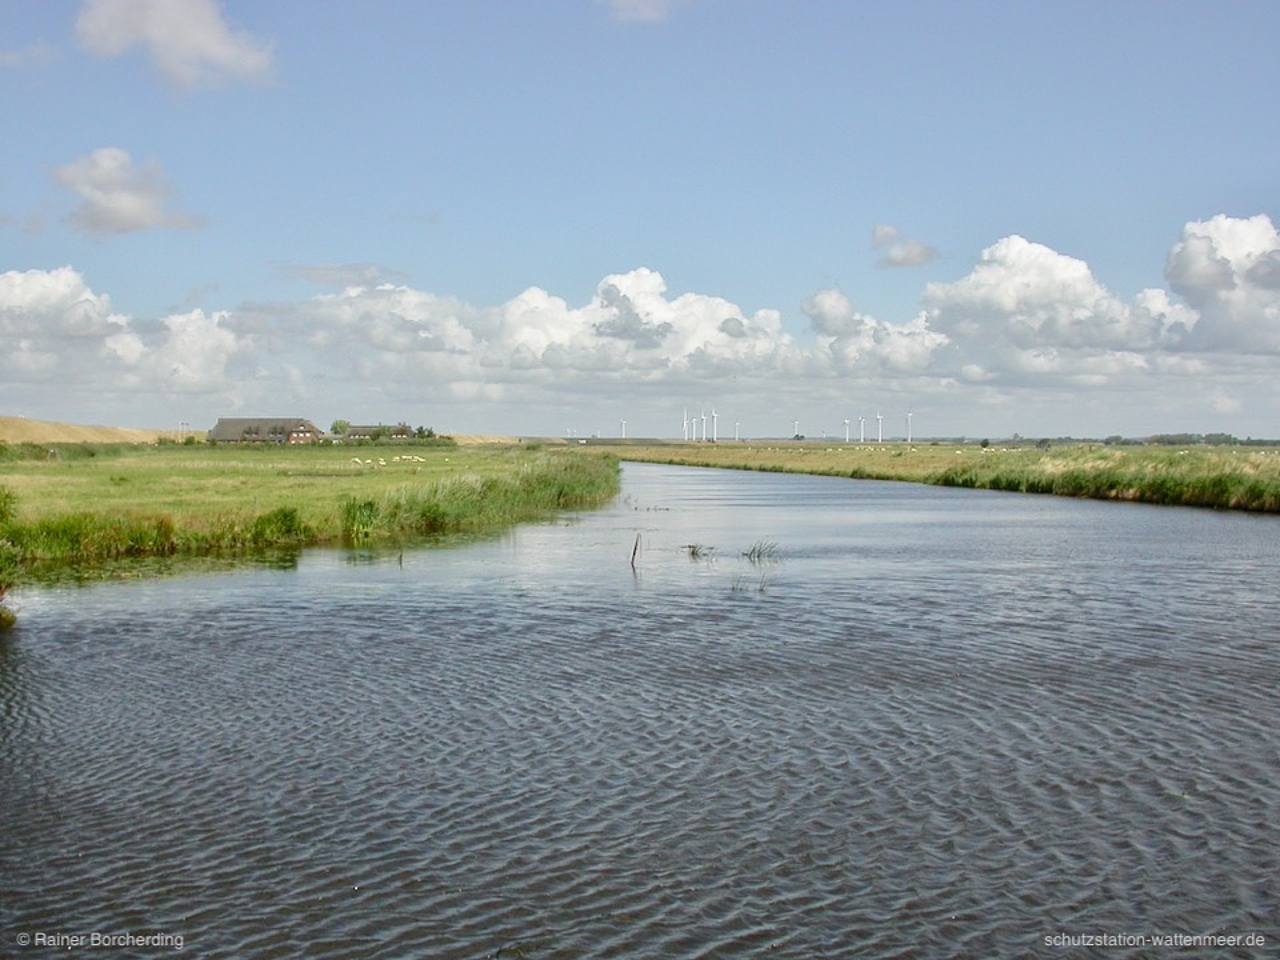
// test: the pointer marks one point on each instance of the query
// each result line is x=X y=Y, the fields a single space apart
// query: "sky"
x=548 y=217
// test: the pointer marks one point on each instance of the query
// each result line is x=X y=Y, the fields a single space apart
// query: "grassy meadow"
x=96 y=509
x=1234 y=478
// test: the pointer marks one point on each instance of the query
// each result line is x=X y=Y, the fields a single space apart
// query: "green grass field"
x=93 y=507
x=1235 y=478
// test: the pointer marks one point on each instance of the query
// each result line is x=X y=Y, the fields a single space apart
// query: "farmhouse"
x=265 y=430
x=401 y=431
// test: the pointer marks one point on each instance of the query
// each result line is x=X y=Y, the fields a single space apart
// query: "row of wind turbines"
x=691 y=427
x=715 y=425
x=862 y=428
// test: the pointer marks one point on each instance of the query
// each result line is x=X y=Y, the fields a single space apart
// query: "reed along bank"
x=1228 y=478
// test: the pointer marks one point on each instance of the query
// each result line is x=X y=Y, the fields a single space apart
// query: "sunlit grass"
x=179 y=501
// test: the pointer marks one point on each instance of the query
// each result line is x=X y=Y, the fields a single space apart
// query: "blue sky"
x=535 y=218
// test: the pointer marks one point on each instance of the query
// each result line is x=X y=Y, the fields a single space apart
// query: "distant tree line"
x=1196 y=439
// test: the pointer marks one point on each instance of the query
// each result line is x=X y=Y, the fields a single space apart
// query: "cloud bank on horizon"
x=1025 y=320
x=1026 y=338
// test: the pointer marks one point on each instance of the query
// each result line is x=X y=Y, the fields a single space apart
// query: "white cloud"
x=1033 y=299
x=900 y=251
x=55 y=305
x=189 y=41
x=194 y=352
x=64 y=337
x=631 y=330
x=1028 y=334
x=854 y=341
x=118 y=196
x=1228 y=269
x=1029 y=324
x=55 y=327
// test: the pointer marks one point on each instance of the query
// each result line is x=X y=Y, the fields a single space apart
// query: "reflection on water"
x=937 y=722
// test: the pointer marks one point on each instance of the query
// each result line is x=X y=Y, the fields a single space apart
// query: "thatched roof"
x=262 y=429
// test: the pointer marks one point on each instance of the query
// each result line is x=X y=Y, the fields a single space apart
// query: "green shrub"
x=8 y=505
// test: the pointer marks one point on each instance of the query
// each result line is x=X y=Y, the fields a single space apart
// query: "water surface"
x=925 y=722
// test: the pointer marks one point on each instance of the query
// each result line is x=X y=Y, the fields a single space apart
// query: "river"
x=798 y=717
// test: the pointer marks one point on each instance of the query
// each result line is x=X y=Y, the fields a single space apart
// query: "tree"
x=339 y=427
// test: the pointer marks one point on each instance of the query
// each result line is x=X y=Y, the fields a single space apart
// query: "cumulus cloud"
x=194 y=352
x=630 y=330
x=118 y=196
x=189 y=41
x=1037 y=310
x=60 y=333
x=1228 y=270
x=900 y=251
x=854 y=341
x=1028 y=321
x=56 y=328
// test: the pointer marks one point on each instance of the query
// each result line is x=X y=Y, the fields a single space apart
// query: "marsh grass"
x=1231 y=478
x=763 y=551
x=93 y=512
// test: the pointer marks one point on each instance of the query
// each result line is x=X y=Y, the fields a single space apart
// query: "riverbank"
x=1233 y=478
x=95 y=511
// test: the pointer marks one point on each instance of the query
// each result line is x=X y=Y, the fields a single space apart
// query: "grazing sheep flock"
x=407 y=458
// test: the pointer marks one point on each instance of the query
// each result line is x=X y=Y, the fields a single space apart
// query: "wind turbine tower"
x=715 y=426
x=624 y=429
x=846 y=429
x=795 y=428
x=862 y=429
x=736 y=425
x=880 y=428
x=686 y=423
x=908 y=426
x=704 y=426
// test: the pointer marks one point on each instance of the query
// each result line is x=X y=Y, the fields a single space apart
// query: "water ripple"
x=951 y=755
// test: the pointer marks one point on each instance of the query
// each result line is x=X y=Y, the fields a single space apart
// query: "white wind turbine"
x=846 y=429
x=736 y=425
x=715 y=426
x=704 y=426
x=795 y=428
x=880 y=428
x=908 y=425
x=862 y=429
x=686 y=423
x=624 y=429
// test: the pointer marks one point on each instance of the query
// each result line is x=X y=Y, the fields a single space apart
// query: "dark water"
x=927 y=723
